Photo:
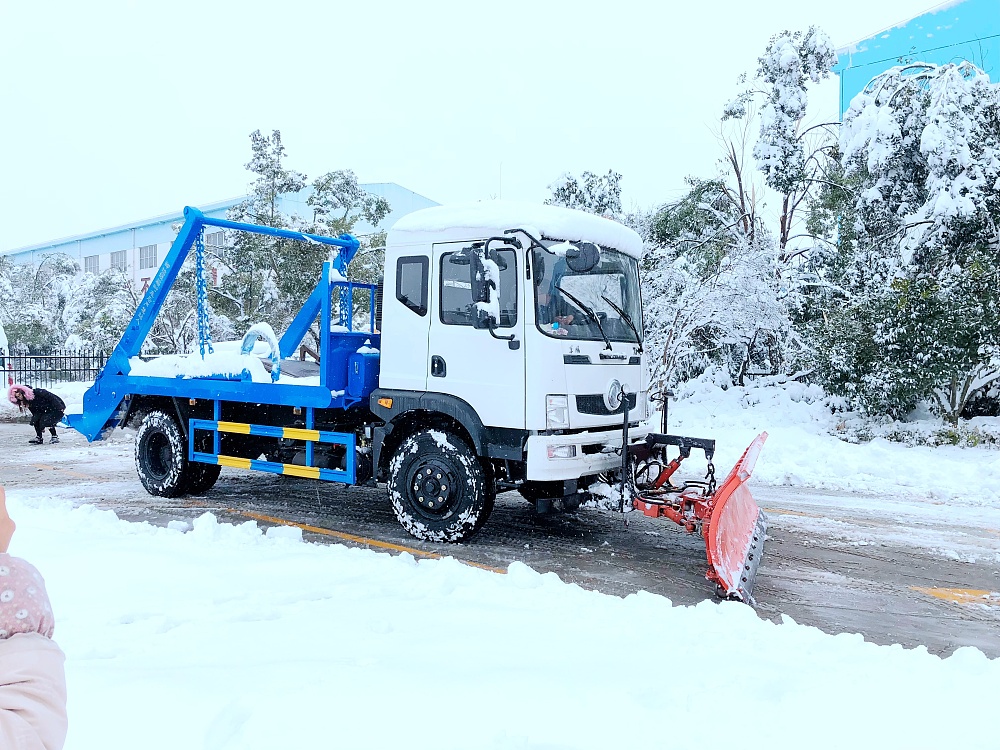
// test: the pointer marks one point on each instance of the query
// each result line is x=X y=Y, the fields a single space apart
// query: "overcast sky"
x=112 y=112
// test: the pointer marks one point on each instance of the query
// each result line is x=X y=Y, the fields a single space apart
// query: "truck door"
x=405 y=322
x=468 y=362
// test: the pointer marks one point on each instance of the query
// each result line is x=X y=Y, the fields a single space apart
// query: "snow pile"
x=263 y=331
x=216 y=365
x=803 y=451
x=224 y=637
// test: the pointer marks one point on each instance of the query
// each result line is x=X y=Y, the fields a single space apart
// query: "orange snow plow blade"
x=733 y=526
x=735 y=530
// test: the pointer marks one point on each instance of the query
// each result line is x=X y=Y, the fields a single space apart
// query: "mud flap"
x=735 y=530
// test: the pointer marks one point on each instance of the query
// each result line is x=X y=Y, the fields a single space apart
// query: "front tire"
x=437 y=487
x=161 y=455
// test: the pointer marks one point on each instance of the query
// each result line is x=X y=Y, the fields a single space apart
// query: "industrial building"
x=950 y=32
x=139 y=248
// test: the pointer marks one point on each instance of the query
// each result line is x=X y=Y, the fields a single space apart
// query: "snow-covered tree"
x=920 y=312
x=268 y=279
x=596 y=194
x=253 y=264
x=99 y=308
x=711 y=287
x=338 y=204
x=791 y=155
x=33 y=298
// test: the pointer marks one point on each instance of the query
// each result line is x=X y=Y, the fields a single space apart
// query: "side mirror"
x=583 y=257
x=484 y=276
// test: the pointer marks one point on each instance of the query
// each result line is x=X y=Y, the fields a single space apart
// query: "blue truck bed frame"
x=106 y=403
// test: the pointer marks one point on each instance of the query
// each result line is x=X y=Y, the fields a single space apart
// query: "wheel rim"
x=433 y=490
x=160 y=455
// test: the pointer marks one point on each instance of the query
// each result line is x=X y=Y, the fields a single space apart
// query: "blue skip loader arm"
x=102 y=399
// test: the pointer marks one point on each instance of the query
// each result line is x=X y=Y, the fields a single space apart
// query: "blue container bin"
x=362 y=372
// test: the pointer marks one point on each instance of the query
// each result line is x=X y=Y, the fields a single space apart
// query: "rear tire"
x=437 y=487
x=202 y=477
x=161 y=455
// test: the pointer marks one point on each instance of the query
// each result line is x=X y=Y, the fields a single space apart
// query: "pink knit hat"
x=28 y=393
x=24 y=605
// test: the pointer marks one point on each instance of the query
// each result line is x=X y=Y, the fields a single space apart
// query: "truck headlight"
x=556 y=412
x=562 y=451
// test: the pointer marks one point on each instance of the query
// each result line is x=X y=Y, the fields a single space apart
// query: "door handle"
x=438 y=367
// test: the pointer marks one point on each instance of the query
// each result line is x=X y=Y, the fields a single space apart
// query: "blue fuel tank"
x=362 y=371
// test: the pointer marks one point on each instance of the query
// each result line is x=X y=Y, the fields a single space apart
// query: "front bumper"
x=594 y=453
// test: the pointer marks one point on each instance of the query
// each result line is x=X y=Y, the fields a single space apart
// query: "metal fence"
x=56 y=366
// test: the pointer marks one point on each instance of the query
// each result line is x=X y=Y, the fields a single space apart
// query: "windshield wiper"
x=627 y=319
x=590 y=314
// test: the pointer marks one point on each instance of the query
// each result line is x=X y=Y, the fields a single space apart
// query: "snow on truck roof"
x=553 y=222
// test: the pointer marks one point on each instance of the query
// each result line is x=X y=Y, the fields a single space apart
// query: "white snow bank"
x=553 y=222
x=223 y=637
x=802 y=450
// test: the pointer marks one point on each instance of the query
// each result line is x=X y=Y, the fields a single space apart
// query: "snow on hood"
x=553 y=222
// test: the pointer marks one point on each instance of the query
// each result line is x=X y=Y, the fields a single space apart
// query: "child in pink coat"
x=32 y=680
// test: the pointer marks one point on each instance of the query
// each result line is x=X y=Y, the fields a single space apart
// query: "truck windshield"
x=567 y=302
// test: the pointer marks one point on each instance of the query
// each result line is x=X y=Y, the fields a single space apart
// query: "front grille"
x=595 y=405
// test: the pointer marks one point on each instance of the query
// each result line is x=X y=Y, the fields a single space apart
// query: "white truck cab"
x=514 y=328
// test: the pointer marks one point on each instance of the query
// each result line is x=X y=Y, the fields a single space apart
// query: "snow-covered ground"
x=222 y=636
x=802 y=449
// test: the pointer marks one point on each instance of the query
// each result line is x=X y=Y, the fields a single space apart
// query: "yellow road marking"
x=359 y=539
x=960 y=596
x=240 y=427
x=68 y=472
x=297 y=433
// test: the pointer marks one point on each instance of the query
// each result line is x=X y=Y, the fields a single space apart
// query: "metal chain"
x=201 y=281
x=710 y=476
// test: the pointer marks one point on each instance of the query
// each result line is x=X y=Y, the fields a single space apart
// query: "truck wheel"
x=437 y=487
x=161 y=455
x=201 y=477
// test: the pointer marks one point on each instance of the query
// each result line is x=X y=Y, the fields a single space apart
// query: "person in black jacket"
x=46 y=408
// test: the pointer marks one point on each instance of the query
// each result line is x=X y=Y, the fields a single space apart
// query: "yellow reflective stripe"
x=236 y=463
x=243 y=429
x=309 y=472
x=297 y=433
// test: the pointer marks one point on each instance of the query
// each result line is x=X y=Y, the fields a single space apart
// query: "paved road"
x=896 y=571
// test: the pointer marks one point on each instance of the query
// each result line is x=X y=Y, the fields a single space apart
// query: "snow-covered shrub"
x=919 y=310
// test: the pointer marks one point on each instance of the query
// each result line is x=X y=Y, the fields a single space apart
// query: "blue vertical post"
x=217 y=416
x=310 y=424
x=324 y=333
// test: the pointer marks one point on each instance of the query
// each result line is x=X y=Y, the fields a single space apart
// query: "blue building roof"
x=952 y=31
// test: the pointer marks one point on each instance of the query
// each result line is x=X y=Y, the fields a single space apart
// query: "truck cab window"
x=411 y=283
x=456 y=292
